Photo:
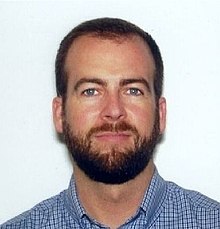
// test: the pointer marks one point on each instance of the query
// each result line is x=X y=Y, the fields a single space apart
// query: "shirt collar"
x=154 y=197
x=72 y=201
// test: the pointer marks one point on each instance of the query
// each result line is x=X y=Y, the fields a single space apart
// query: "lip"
x=112 y=136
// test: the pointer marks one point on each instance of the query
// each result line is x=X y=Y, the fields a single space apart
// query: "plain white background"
x=34 y=165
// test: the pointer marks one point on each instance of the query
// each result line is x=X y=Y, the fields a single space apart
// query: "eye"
x=90 y=92
x=134 y=91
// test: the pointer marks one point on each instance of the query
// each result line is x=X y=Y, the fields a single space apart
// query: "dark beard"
x=116 y=166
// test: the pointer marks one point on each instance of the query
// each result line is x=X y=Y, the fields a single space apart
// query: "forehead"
x=126 y=55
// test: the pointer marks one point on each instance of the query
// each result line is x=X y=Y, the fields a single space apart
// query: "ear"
x=57 y=106
x=162 y=114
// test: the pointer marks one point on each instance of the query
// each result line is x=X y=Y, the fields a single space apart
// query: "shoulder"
x=39 y=215
x=188 y=205
x=195 y=199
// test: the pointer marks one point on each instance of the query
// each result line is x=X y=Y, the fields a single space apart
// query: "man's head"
x=109 y=107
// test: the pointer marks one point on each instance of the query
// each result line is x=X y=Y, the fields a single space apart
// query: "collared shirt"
x=165 y=205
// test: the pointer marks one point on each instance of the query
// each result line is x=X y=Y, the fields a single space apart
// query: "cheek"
x=143 y=119
x=81 y=118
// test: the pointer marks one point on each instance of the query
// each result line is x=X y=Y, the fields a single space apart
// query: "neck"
x=112 y=205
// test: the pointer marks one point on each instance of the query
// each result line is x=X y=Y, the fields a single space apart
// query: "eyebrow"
x=122 y=83
x=86 y=80
x=143 y=81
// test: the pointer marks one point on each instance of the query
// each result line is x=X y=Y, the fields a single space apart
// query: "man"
x=110 y=110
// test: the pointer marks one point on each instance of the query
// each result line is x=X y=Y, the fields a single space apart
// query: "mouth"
x=112 y=136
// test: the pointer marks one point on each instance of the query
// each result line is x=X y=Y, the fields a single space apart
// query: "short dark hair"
x=109 y=28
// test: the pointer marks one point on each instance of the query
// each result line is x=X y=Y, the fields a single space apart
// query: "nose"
x=114 y=109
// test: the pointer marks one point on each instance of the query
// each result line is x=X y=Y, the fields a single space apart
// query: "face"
x=111 y=121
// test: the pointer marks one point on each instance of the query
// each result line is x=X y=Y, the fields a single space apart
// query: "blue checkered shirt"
x=165 y=205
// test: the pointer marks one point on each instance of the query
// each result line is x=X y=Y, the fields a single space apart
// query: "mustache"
x=117 y=127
